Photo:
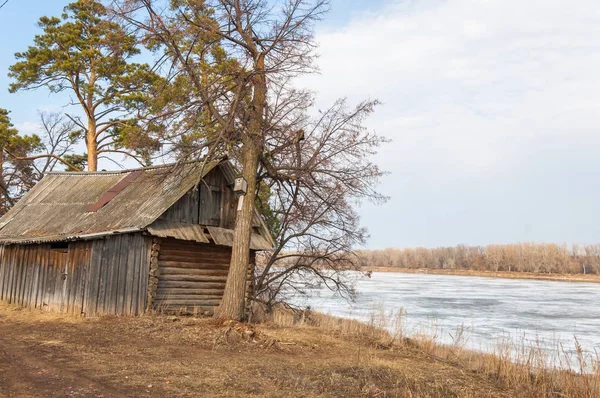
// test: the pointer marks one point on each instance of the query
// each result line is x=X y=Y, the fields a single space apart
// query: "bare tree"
x=25 y=159
x=233 y=54
x=316 y=170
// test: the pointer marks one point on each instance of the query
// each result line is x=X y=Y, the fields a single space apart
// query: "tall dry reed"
x=516 y=364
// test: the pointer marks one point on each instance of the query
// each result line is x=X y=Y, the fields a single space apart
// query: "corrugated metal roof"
x=229 y=172
x=56 y=207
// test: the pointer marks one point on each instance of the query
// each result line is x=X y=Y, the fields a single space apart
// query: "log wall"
x=104 y=276
x=192 y=276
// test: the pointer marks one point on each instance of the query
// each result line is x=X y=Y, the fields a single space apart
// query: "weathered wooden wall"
x=191 y=276
x=213 y=203
x=104 y=276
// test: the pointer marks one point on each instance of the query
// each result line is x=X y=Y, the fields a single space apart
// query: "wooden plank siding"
x=192 y=276
x=97 y=277
x=212 y=202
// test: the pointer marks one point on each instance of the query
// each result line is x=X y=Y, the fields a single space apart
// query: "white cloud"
x=50 y=108
x=472 y=89
x=28 y=127
x=466 y=79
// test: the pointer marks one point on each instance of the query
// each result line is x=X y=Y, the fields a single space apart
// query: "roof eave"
x=67 y=238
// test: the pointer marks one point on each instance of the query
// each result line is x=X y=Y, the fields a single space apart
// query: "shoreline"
x=491 y=274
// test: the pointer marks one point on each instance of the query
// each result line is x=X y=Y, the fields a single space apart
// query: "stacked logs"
x=193 y=276
x=153 y=274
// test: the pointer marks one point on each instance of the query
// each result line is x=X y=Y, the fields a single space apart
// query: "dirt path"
x=35 y=369
x=48 y=355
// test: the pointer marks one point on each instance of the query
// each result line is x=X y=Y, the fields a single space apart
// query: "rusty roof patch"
x=115 y=190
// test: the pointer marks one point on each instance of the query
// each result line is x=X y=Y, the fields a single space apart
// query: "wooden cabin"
x=124 y=242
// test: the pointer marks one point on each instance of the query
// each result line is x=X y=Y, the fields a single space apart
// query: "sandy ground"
x=50 y=355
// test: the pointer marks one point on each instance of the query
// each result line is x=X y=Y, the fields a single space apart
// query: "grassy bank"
x=521 y=370
x=491 y=274
x=291 y=355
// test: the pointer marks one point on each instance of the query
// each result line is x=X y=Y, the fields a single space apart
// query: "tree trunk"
x=92 y=146
x=234 y=297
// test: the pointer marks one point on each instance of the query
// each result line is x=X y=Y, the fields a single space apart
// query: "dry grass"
x=45 y=354
x=517 y=366
x=290 y=354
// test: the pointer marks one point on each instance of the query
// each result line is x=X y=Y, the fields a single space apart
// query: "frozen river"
x=490 y=309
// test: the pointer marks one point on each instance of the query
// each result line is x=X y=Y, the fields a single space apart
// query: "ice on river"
x=492 y=310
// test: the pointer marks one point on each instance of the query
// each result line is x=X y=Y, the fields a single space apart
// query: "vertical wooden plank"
x=16 y=275
x=93 y=278
x=80 y=296
x=31 y=274
x=39 y=301
x=115 y=250
x=70 y=275
x=83 y=264
x=49 y=280
x=62 y=281
x=57 y=271
x=144 y=269
x=122 y=257
x=100 y=277
x=19 y=276
x=23 y=276
x=70 y=271
x=34 y=276
x=30 y=260
x=12 y=273
x=132 y=270
x=138 y=259
x=75 y=265
x=8 y=253
x=108 y=265
x=76 y=270
x=9 y=273
x=86 y=282
x=4 y=269
x=56 y=281
x=104 y=277
x=109 y=260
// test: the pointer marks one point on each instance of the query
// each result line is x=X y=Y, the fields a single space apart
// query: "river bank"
x=307 y=355
x=491 y=274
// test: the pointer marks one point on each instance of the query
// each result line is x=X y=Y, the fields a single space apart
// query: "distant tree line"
x=520 y=257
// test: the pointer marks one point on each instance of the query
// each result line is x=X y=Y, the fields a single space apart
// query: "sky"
x=492 y=106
